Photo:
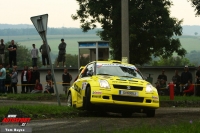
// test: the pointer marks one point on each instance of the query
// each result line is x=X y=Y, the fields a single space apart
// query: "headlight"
x=149 y=88
x=104 y=84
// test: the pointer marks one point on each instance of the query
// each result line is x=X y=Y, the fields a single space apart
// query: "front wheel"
x=88 y=104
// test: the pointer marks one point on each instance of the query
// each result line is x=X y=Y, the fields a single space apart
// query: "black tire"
x=69 y=100
x=126 y=114
x=150 y=113
x=88 y=105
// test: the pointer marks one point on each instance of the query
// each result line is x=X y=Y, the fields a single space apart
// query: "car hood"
x=122 y=80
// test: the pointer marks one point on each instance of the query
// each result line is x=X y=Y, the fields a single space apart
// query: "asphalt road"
x=110 y=122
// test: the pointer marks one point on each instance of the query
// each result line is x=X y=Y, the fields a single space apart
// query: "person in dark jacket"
x=25 y=79
x=185 y=77
x=177 y=80
x=43 y=51
x=66 y=78
x=61 y=53
x=49 y=76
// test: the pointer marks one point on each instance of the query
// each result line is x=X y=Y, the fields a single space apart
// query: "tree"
x=195 y=33
x=23 y=56
x=150 y=27
x=172 y=61
x=196 y=5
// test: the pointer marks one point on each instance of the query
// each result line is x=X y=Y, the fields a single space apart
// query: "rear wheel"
x=150 y=113
x=69 y=100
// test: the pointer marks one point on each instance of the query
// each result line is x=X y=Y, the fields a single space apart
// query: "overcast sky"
x=59 y=11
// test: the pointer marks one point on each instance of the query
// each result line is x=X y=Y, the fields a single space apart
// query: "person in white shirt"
x=34 y=55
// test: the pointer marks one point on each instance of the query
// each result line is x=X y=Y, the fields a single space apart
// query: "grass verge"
x=184 y=127
x=41 y=111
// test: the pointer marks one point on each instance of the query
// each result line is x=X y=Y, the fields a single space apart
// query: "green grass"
x=53 y=41
x=34 y=97
x=184 y=127
x=180 y=98
x=39 y=111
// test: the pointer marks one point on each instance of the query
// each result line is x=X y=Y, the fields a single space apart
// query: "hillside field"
x=190 y=43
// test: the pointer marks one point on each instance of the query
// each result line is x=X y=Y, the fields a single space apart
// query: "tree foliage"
x=150 y=27
x=196 y=5
x=172 y=61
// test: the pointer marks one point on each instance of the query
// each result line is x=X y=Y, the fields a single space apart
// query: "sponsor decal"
x=97 y=92
x=16 y=116
x=84 y=84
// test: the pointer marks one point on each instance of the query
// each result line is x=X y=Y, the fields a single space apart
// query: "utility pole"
x=125 y=30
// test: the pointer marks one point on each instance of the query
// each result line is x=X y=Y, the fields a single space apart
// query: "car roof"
x=114 y=62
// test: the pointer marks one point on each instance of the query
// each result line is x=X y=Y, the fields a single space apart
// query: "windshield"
x=118 y=70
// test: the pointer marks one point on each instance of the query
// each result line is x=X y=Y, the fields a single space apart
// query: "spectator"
x=49 y=87
x=2 y=79
x=31 y=82
x=66 y=78
x=8 y=79
x=34 y=55
x=12 y=48
x=35 y=75
x=198 y=82
x=185 y=77
x=25 y=79
x=62 y=52
x=38 y=87
x=177 y=80
x=43 y=51
x=14 y=80
x=49 y=76
x=2 y=54
x=161 y=80
x=189 y=89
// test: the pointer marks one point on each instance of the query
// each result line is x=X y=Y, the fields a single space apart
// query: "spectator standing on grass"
x=25 y=79
x=34 y=55
x=198 y=82
x=38 y=87
x=2 y=79
x=61 y=53
x=14 y=80
x=66 y=78
x=43 y=51
x=185 y=77
x=12 y=48
x=177 y=80
x=2 y=54
x=8 y=79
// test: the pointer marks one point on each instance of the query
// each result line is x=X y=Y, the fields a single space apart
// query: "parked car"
x=113 y=86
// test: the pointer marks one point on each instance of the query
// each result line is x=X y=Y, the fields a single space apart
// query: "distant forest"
x=50 y=31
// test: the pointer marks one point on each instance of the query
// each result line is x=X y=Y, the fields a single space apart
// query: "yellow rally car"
x=113 y=86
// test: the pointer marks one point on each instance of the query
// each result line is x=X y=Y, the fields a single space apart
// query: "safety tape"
x=34 y=84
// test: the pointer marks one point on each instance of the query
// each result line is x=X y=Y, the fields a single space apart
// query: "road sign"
x=40 y=23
